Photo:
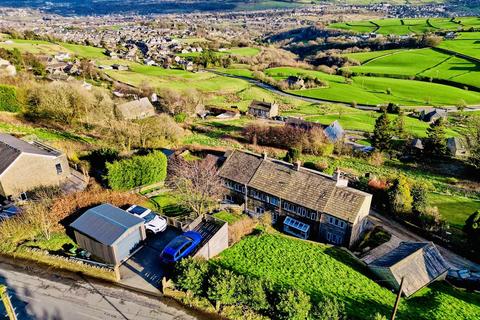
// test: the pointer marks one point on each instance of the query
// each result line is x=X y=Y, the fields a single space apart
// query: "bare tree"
x=196 y=183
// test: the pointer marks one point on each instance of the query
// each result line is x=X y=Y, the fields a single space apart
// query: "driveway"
x=143 y=270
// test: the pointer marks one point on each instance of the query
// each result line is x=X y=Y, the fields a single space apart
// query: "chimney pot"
x=297 y=165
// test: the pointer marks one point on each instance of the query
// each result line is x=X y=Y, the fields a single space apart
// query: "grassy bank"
x=322 y=270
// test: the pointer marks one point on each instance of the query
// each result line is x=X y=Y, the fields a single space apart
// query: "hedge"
x=8 y=99
x=137 y=171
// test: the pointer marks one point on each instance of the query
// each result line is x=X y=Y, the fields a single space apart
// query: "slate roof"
x=261 y=105
x=136 y=109
x=304 y=187
x=334 y=132
x=11 y=148
x=240 y=167
x=420 y=263
x=106 y=223
x=434 y=114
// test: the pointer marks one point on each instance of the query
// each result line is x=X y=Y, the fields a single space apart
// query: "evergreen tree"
x=472 y=225
x=399 y=125
x=383 y=133
x=436 y=143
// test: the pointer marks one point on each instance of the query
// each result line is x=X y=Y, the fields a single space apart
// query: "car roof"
x=138 y=210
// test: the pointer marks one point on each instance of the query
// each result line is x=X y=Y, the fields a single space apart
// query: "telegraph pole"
x=397 y=301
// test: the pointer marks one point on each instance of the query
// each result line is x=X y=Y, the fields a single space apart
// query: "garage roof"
x=106 y=223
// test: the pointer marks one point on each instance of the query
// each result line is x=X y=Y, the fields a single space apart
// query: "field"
x=245 y=52
x=358 y=120
x=455 y=209
x=50 y=48
x=467 y=43
x=374 y=90
x=34 y=46
x=322 y=270
x=408 y=26
x=422 y=63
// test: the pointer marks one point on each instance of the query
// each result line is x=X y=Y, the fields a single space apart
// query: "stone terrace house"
x=262 y=109
x=24 y=166
x=304 y=202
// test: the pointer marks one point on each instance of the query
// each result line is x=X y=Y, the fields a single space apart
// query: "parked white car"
x=153 y=222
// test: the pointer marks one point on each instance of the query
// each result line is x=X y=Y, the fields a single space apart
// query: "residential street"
x=41 y=295
x=456 y=261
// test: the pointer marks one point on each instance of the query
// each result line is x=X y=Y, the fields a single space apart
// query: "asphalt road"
x=43 y=296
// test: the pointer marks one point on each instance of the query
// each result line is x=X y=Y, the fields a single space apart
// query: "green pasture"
x=408 y=26
x=33 y=46
x=455 y=209
x=467 y=43
x=358 y=120
x=375 y=90
x=85 y=51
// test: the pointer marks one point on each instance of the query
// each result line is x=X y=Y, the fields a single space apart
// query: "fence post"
x=7 y=303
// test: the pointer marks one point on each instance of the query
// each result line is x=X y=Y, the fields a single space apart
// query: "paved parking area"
x=144 y=270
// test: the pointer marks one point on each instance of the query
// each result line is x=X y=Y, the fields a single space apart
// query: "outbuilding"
x=109 y=233
x=418 y=263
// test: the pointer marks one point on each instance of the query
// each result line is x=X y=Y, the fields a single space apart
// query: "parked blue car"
x=180 y=247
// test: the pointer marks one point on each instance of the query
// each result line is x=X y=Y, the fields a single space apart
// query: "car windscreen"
x=138 y=210
x=149 y=217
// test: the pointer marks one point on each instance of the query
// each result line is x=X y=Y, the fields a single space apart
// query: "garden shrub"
x=137 y=171
x=8 y=99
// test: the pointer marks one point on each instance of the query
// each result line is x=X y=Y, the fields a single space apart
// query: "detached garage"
x=109 y=233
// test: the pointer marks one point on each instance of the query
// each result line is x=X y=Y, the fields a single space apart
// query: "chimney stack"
x=297 y=165
x=340 y=178
x=265 y=156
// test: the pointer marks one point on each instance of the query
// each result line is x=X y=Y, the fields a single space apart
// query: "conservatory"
x=296 y=228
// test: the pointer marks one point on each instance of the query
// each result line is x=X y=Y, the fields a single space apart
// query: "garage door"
x=128 y=245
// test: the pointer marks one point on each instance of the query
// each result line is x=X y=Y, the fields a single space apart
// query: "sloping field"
x=379 y=90
x=423 y=63
x=322 y=270
x=50 y=48
x=408 y=26
x=467 y=43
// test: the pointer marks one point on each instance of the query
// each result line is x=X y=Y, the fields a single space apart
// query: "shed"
x=419 y=263
x=136 y=109
x=109 y=233
x=457 y=147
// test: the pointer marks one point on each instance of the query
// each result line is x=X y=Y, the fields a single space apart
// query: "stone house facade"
x=24 y=166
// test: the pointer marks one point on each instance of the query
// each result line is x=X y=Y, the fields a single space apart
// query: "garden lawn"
x=229 y=217
x=166 y=203
x=321 y=270
x=454 y=209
